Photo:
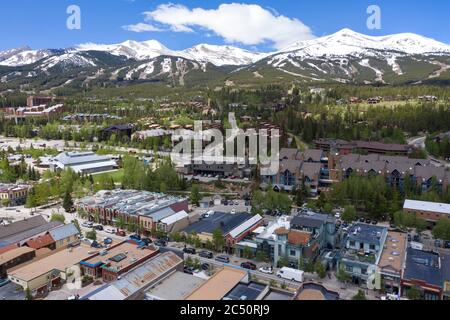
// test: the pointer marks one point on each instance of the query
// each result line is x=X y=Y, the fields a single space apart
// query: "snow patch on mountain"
x=65 y=60
x=221 y=55
x=20 y=57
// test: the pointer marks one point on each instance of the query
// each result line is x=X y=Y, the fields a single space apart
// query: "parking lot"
x=12 y=291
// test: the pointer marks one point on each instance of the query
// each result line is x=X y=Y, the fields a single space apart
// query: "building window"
x=349 y=268
x=292 y=253
x=352 y=243
x=372 y=247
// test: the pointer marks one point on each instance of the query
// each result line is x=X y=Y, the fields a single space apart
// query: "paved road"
x=255 y=273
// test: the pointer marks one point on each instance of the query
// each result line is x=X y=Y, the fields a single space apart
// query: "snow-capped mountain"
x=345 y=56
x=348 y=42
x=221 y=55
x=131 y=49
x=22 y=56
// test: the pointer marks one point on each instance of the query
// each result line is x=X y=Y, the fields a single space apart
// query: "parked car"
x=206 y=254
x=447 y=244
x=267 y=270
x=248 y=265
x=374 y=222
x=160 y=243
x=290 y=274
x=107 y=241
x=362 y=219
x=95 y=244
x=368 y=221
x=189 y=250
x=437 y=243
x=409 y=238
x=98 y=227
x=233 y=211
x=188 y=270
x=121 y=233
x=223 y=259
x=109 y=230
x=416 y=238
x=87 y=224
x=225 y=202
x=135 y=237
x=205 y=266
x=147 y=241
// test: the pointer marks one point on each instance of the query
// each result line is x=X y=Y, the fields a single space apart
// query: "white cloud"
x=248 y=24
x=142 y=27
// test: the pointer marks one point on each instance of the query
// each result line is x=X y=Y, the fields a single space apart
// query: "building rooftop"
x=366 y=233
x=175 y=217
x=120 y=256
x=176 y=287
x=40 y=242
x=310 y=220
x=296 y=237
x=427 y=206
x=313 y=291
x=132 y=202
x=277 y=295
x=14 y=253
x=423 y=265
x=246 y=291
x=394 y=252
x=219 y=284
x=139 y=278
x=28 y=234
x=64 y=232
x=224 y=221
x=20 y=226
x=60 y=260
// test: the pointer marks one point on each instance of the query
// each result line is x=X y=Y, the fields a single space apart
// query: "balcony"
x=360 y=256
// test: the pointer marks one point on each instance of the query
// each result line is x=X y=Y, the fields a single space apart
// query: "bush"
x=86 y=280
x=359 y=296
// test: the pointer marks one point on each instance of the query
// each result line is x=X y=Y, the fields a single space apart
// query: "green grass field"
x=116 y=175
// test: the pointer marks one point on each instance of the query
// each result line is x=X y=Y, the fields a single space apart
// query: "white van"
x=290 y=274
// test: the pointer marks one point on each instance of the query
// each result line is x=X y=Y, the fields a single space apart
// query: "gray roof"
x=289 y=154
x=311 y=169
x=28 y=234
x=314 y=220
x=292 y=165
x=21 y=226
x=176 y=287
x=148 y=272
x=366 y=233
x=224 y=221
x=161 y=214
x=313 y=155
x=64 y=232
x=251 y=291
x=423 y=265
x=73 y=158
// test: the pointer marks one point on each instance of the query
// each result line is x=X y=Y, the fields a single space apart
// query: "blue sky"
x=42 y=24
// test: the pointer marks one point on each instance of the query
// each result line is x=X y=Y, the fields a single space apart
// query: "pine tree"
x=67 y=201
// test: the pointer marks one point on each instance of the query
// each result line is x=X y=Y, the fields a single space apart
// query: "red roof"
x=40 y=242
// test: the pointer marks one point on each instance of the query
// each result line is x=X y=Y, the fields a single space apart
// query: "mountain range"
x=345 y=57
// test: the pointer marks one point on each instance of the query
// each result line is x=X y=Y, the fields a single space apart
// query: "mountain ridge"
x=345 y=56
